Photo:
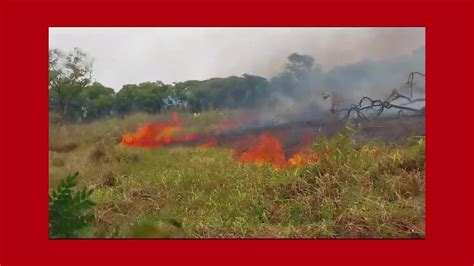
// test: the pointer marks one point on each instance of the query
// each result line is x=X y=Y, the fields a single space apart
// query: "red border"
x=24 y=138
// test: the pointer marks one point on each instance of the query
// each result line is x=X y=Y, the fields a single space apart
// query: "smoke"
x=262 y=51
x=348 y=62
x=302 y=94
x=134 y=55
x=374 y=78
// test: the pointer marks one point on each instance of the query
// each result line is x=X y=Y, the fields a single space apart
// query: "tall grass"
x=355 y=190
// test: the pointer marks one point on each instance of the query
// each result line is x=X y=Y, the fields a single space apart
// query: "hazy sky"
x=135 y=55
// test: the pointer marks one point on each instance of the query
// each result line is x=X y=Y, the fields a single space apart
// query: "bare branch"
x=379 y=106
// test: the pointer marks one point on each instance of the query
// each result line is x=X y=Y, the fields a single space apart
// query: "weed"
x=69 y=210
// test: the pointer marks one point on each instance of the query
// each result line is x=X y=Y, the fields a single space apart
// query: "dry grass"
x=356 y=190
x=68 y=147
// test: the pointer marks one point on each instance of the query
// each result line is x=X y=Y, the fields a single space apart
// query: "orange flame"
x=210 y=142
x=152 y=135
x=303 y=157
x=267 y=149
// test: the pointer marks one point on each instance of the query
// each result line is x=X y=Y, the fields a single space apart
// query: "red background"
x=24 y=126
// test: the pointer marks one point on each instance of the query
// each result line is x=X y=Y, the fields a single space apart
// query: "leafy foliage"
x=68 y=210
x=97 y=100
x=69 y=74
x=72 y=97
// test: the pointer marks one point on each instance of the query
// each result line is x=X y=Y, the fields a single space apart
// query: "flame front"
x=153 y=135
x=303 y=157
x=211 y=141
x=266 y=148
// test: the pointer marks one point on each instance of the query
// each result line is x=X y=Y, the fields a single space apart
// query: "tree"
x=230 y=92
x=186 y=93
x=299 y=65
x=298 y=78
x=397 y=101
x=147 y=96
x=258 y=90
x=69 y=74
x=150 y=96
x=125 y=99
x=97 y=100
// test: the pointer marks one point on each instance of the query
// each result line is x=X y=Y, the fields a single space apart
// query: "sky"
x=134 y=55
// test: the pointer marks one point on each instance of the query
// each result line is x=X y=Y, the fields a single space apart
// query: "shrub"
x=68 y=209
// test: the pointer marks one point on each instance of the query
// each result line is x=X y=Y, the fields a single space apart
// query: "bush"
x=69 y=210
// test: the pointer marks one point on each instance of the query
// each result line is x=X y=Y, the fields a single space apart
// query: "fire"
x=152 y=135
x=303 y=157
x=265 y=149
x=210 y=142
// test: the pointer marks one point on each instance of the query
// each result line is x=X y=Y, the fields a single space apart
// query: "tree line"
x=73 y=96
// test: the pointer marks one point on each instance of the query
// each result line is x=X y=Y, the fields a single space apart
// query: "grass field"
x=355 y=189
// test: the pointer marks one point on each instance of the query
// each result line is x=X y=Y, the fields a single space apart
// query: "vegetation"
x=74 y=97
x=68 y=210
x=355 y=189
x=344 y=186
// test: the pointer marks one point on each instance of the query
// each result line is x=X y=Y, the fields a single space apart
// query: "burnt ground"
x=293 y=134
x=394 y=130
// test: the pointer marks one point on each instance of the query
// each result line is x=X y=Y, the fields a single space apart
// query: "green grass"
x=361 y=190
